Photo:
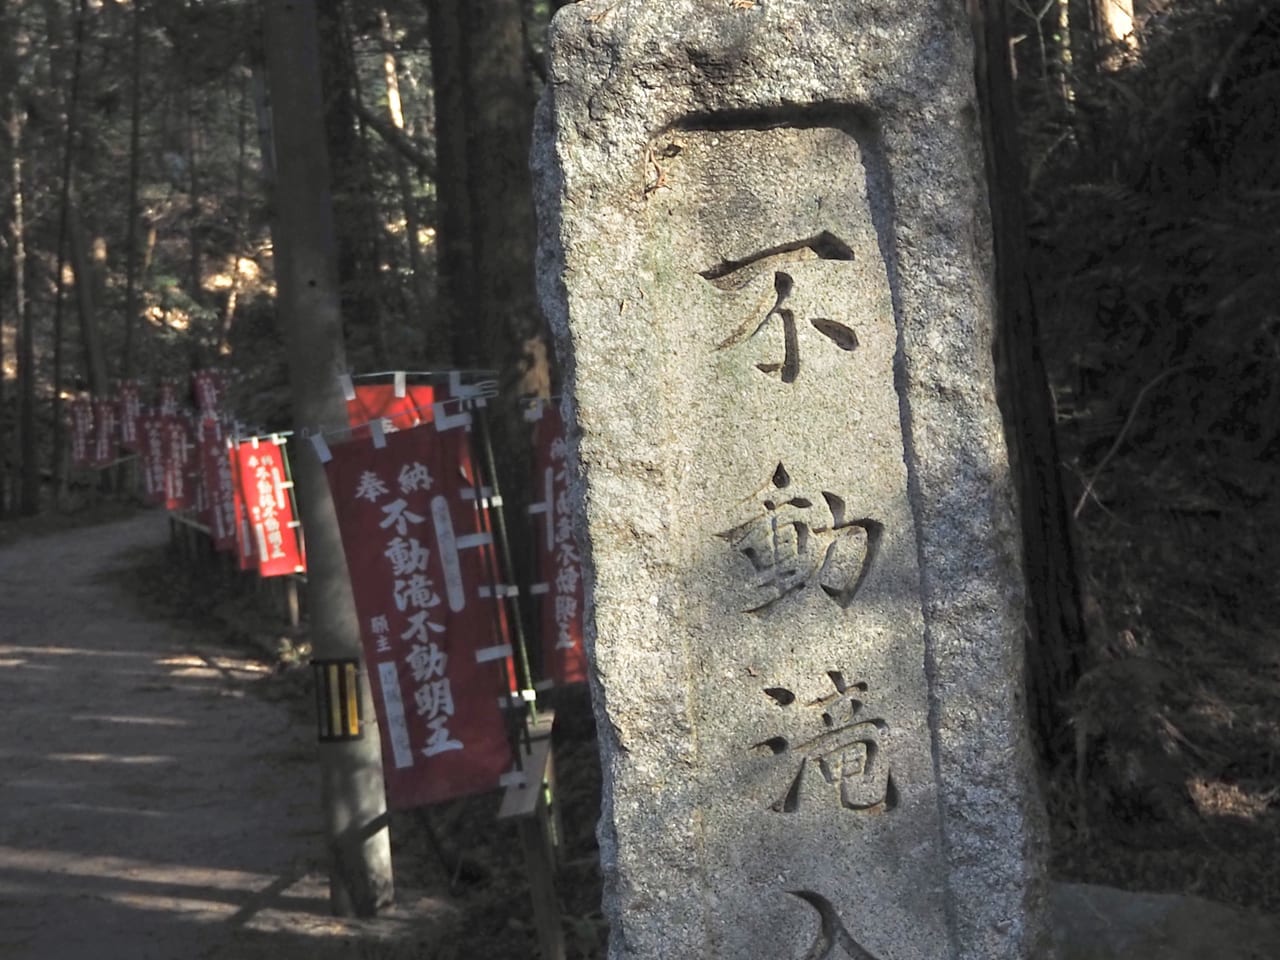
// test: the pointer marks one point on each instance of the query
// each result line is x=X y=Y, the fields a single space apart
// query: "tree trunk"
x=310 y=314
x=64 y=214
x=500 y=187
x=13 y=178
x=95 y=361
x=195 y=255
x=131 y=213
x=420 y=299
x=1055 y=640
x=456 y=299
x=11 y=36
x=355 y=199
x=1113 y=22
x=484 y=125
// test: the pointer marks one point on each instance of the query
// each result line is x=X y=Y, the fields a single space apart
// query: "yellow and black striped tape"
x=337 y=699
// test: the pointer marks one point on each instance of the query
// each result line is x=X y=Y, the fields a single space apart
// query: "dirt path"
x=152 y=805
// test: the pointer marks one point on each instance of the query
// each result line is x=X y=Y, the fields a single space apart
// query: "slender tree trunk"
x=456 y=287
x=135 y=165
x=11 y=36
x=355 y=199
x=262 y=113
x=310 y=314
x=195 y=256
x=1055 y=640
x=13 y=180
x=64 y=211
x=242 y=143
x=95 y=361
x=1113 y=21
x=434 y=347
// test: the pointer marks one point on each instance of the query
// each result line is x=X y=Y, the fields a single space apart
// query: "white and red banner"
x=151 y=453
x=105 y=438
x=81 y=411
x=439 y=664
x=208 y=387
x=268 y=502
x=130 y=409
x=220 y=491
x=178 y=491
x=401 y=410
x=559 y=565
x=246 y=550
x=168 y=396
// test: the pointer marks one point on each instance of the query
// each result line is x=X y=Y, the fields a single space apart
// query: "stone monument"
x=764 y=252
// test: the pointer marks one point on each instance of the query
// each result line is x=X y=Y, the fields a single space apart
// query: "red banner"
x=151 y=452
x=265 y=487
x=378 y=401
x=178 y=492
x=215 y=467
x=564 y=659
x=436 y=658
x=105 y=444
x=208 y=387
x=168 y=397
x=81 y=411
x=130 y=409
x=198 y=498
x=246 y=552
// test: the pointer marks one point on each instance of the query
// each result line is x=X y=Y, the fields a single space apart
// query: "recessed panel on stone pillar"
x=802 y=616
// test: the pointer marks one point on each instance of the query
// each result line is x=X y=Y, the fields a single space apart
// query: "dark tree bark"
x=64 y=212
x=456 y=283
x=484 y=103
x=1055 y=640
x=13 y=206
x=310 y=313
x=95 y=361
x=11 y=36
x=195 y=253
x=484 y=126
x=355 y=198
x=400 y=133
x=135 y=165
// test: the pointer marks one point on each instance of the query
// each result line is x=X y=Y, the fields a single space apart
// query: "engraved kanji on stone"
x=797 y=540
x=839 y=751
x=736 y=275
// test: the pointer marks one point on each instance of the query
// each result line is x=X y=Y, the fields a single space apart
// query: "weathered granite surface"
x=763 y=252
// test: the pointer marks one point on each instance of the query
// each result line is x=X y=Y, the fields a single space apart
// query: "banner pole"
x=504 y=549
x=516 y=721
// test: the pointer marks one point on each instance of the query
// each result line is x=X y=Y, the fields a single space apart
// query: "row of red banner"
x=416 y=527
x=239 y=489
x=101 y=427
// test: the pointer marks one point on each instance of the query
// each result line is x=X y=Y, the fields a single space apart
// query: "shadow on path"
x=151 y=805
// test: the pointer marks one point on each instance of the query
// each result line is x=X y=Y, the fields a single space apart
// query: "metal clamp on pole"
x=337 y=699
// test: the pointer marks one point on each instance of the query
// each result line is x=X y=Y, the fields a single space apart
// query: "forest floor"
x=1174 y=785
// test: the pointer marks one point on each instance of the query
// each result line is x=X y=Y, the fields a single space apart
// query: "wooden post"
x=530 y=806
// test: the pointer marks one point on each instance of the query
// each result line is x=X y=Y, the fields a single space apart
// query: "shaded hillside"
x=1155 y=195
